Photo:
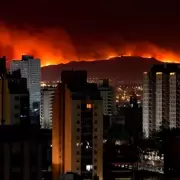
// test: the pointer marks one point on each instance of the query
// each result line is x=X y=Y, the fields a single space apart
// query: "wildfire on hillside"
x=55 y=46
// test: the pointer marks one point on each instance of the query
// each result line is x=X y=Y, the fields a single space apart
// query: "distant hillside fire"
x=55 y=46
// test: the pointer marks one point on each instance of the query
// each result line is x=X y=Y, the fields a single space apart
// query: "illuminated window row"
x=159 y=73
x=172 y=73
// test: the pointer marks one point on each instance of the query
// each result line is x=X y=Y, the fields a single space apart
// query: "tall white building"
x=108 y=96
x=161 y=98
x=47 y=94
x=31 y=70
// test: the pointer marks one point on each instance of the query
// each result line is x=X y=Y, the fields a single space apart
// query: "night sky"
x=93 y=27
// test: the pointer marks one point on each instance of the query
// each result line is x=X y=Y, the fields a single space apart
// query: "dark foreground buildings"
x=172 y=156
x=25 y=149
x=133 y=119
x=18 y=99
x=21 y=152
x=14 y=97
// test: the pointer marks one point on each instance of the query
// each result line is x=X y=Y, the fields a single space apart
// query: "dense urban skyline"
x=106 y=106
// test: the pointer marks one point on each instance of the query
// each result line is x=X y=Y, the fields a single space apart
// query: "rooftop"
x=84 y=91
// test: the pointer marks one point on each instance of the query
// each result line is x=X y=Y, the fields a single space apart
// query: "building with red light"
x=77 y=130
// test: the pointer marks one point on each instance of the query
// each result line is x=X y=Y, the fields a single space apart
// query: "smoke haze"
x=55 y=46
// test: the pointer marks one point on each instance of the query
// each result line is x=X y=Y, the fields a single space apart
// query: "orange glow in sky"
x=55 y=47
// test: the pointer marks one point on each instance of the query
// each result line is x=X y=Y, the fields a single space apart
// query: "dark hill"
x=123 y=68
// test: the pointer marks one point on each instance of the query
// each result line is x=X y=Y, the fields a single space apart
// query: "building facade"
x=77 y=134
x=18 y=99
x=47 y=94
x=31 y=70
x=21 y=153
x=161 y=98
x=108 y=96
x=14 y=98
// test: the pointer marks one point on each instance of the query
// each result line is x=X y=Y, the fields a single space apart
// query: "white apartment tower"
x=31 y=70
x=108 y=96
x=47 y=94
x=161 y=98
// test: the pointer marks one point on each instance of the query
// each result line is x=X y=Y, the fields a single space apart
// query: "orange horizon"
x=55 y=46
x=111 y=57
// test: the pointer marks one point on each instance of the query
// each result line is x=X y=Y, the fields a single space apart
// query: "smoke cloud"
x=55 y=46
x=51 y=46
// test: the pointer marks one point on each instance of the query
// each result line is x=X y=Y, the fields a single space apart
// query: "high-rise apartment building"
x=14 y=98
x=47 y=94
x=31 y=70
x=77 y=133
x=18 y=98
x=161 y=98
x=108 y=96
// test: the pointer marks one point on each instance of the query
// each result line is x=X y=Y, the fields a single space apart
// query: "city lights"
x=89 y=90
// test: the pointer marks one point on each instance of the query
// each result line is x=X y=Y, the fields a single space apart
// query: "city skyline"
x=89 y=90
x=88 y=136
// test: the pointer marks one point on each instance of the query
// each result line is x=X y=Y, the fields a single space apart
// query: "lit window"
x=159 y=73
x=89 y=106
x=89 y=167
x=172 y=73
